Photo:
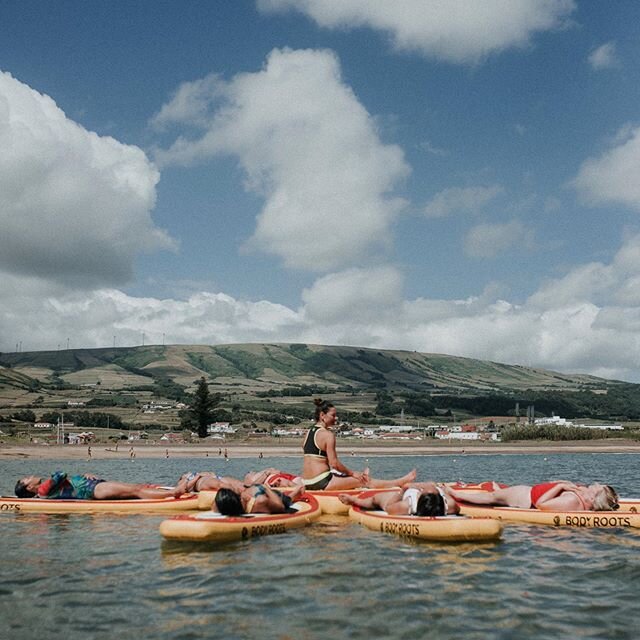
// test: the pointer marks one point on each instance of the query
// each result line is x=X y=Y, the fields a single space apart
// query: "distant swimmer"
x=87 y=487
x=560 y=495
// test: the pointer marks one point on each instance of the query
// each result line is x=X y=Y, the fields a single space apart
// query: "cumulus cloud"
x=74 y=206
x=488 y=240
x=191 y=103
x=604 y=57
x=456 y=31
x=354 y=294
x=45 y=318
x=613 y=176
x=308 y=147
x=461 y=200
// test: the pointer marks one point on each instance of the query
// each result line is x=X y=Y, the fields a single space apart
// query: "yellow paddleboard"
x=214 y=527
x=188 y=502
x=442 y=529
x=580 y=519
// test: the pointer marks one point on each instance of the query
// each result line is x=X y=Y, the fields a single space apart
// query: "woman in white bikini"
x=424 y=499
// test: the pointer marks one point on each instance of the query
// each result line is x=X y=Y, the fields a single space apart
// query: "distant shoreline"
x=270 y=449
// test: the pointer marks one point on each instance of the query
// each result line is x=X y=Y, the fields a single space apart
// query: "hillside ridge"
x=273 y=365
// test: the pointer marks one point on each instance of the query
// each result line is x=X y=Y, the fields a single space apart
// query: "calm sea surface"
x=111 y=576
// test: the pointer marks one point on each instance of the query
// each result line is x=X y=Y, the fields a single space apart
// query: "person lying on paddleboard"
x=274 y=478
x=424 y=499
x=193 y=482
x=560 y=495
x=88 y=487
x=322 y=470
x=257 y=498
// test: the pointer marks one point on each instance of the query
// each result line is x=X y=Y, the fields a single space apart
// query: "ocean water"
x=112 y=576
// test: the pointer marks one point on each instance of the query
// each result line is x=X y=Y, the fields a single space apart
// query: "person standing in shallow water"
x=322 y=468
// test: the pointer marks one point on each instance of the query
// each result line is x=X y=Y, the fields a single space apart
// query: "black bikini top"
x=310 y=448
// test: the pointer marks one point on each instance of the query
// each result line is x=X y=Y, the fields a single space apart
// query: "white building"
x=457 y=435
x=553 y=420
x=221 y=427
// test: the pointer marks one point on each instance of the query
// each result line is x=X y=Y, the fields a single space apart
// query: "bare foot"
x=407 y=479
x=347 y=499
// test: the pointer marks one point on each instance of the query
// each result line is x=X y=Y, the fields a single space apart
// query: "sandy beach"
x=269 y=450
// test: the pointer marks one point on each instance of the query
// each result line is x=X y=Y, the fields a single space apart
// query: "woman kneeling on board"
x=88 y=487
x=560 y=495
x=322 y=470
x=257 y=498
x=424 y=499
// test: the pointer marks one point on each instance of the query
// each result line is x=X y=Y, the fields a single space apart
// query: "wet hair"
x=322 y=406
x=21 y=490
x=430 y=505
x=228 y=503
x=606 y=500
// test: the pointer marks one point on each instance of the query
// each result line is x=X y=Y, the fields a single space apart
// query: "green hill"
x=271 y=381
x=277 y=365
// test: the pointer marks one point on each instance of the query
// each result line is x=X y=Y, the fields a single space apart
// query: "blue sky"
x=453 y=177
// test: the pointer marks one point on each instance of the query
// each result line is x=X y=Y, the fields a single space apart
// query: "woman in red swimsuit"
x=560 y=495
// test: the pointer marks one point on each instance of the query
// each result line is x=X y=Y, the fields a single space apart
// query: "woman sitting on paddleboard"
x=560 y=495
x=424 y=499
x=321 y=467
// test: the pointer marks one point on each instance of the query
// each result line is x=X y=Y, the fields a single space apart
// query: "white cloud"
x=613 y=177
x=488 y=240
x=604 y=57
x=456 y=31
x=353 y=295
x=461 y=200
x=192 y=102
x=309 y=147
x=74 y=206
x=42 y=318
